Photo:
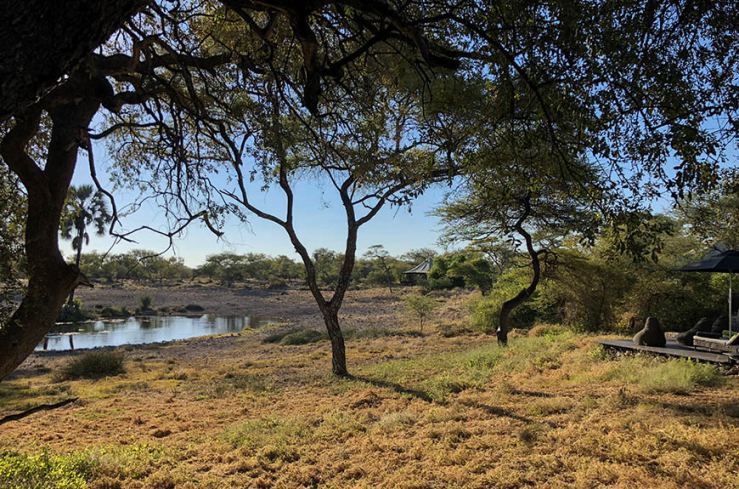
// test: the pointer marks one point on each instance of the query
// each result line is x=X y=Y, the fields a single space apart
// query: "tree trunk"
x=41 y=41
x=524 y=294
x=50 y=279
x=80 y=233
x=338 y=350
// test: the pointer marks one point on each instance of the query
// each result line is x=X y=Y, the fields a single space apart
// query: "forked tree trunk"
x=524 y=294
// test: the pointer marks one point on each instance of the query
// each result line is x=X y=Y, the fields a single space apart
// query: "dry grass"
x=431 y=411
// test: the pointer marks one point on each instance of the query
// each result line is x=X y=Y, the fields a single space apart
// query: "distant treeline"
x=588 y=288
x=375 y=268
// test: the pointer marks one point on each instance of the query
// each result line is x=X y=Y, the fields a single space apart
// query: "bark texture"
x=42 y=40
x=50 y=278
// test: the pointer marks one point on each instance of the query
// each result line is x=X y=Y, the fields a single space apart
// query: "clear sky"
x=319 y=220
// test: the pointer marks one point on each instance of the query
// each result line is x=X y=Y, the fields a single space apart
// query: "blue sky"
x=319 y=220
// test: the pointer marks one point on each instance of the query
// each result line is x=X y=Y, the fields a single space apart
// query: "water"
x=138 y=330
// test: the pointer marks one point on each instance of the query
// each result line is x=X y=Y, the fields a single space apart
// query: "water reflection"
x=140 y=330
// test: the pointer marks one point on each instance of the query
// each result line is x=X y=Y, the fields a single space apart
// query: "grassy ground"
x=422 y=411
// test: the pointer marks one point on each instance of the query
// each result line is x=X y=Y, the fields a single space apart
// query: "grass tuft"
x=656 y=375
x=303 y=337
x=92 y=365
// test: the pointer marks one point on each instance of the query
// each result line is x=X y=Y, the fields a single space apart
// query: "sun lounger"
x=723 y=345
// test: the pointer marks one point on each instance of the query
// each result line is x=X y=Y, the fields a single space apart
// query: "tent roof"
x=424 y=268
x=725 y=262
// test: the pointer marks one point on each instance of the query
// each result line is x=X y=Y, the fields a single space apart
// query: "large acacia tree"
x=251 y=123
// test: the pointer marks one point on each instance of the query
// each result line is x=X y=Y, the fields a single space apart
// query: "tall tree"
x=152 y=57
x=84 y=206
x=515 y=190
x=367 y=146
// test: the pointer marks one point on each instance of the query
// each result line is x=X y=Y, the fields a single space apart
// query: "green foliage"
x=485 y=311
x=714 y=217
x=135 y=265
x=113 y=312
x=84 y=207
x=75 y=313
x=45 y=470
x=420 y=306
x=461 y=270
x=92 y=365
x=328 y=265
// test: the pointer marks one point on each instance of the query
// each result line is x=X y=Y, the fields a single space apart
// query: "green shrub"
x=276 y=284
x=420 y=306
x=93 y=365
x=75 y=313
x=194 y=308
x=145 y=302
x=277 y=336
x=295 y=337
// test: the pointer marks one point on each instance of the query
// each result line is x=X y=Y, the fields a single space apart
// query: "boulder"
x=651 y=335
x=720 y=325
x=686 y=337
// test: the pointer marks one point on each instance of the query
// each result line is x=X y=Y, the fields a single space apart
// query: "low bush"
x=303 y=337
x=543 y=329
x=75 y=313
x=276 y=284
x=194 y=308
x=93 y=365
x=420 y=306
x=295 y=337
x=145 y=301
x=277 y=336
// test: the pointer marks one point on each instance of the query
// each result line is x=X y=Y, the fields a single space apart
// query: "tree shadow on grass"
x=730 y=409
x=395 y=387
x=496 y=411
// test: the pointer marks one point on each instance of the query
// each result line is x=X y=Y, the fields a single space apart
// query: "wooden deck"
x=672 y=349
